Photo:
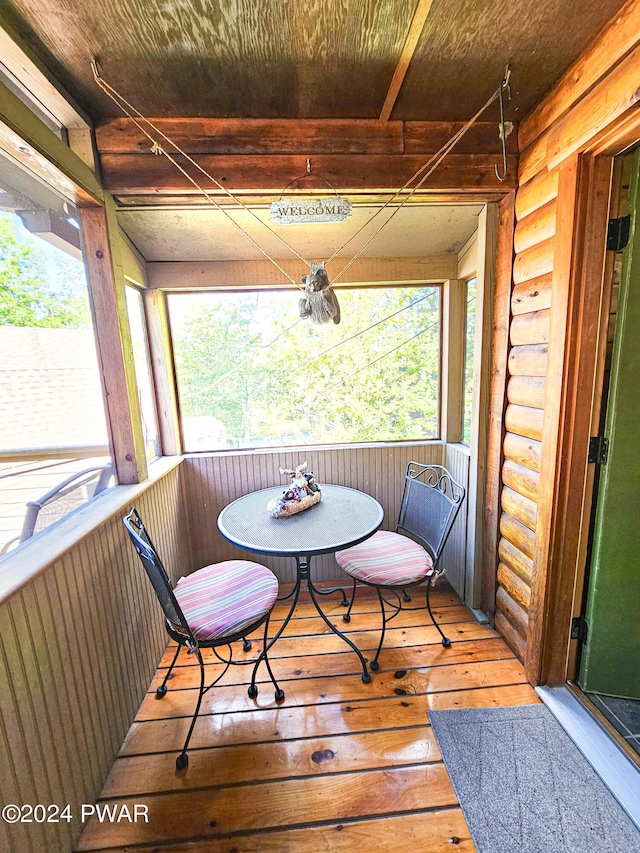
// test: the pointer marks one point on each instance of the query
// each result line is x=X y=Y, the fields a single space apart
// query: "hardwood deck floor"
x=337 y=766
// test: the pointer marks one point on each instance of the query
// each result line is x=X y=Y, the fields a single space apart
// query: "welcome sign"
x=301 y=211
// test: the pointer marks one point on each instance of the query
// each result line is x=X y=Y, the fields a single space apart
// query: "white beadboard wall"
x=213 y=481
x=81 y=641
x=79 y=646
x=456 y=460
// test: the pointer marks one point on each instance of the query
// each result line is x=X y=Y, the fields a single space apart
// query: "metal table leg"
x=303 y=565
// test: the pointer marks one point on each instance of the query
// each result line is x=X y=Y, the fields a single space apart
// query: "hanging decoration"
x=320 y=303
x=306 y=211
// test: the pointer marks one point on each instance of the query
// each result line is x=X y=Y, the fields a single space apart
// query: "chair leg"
x=406 y=595
x=246 y=645
x=279 y=694
x=183 y=759
x=161 y=691
x=446 y=642
x=347 y=616
x=253 y=687
x=374 y=665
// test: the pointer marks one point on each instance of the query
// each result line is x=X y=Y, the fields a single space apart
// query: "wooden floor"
x=338 y=765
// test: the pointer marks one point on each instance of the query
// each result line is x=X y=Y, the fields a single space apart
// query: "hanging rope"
x=430 y=166
x=427 y=168
x=136 y=117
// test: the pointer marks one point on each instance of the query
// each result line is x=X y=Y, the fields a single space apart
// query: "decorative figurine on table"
x=301 y=494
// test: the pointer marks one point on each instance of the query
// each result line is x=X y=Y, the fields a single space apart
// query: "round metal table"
x=344 y=517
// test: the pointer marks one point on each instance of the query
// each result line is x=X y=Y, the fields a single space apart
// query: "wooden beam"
x=529 y=360
x=534 y=262
x=533 y=159
x=515 y=560
x=537 y=192
x=362 y=197
x=531 y=328
x=497 y=400
x=621 y=36
x=258 y=136
x=309 y=137
x=538 y=226
x=524 y=420
x=47 y=152
x=532 y=295
x=520 y=479
x=527 y=391
x=429 y=136
x=410 y=44
x=140 y=173
x=524 y=451
x=114 y=349
x=222 y=275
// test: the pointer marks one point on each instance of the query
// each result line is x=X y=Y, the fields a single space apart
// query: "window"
x=250 y=374
x=53 y=434
x=469 y=346
x=142 y=364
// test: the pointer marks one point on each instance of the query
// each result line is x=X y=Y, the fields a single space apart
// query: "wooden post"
x=497 y=400
x=485 y=286
x=452 y=360
x=114 y=348
x=163 y=366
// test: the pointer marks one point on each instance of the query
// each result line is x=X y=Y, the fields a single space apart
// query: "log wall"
x=591 y=111
x=535 y=211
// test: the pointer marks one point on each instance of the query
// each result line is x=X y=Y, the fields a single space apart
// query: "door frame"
x=583 y=273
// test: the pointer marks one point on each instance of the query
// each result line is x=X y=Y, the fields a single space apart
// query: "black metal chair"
x=390 y=561
x=212 y=607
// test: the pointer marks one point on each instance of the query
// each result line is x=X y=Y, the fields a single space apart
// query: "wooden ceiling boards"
x=307 y=58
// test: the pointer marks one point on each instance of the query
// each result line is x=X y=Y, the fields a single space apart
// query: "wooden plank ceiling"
x=311 y=59
x=368 y=89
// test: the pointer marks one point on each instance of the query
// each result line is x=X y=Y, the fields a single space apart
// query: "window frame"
x=134 y=287
x=463 y=440
x=438 y=284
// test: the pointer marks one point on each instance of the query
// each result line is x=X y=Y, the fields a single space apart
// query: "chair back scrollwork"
x=431 y=499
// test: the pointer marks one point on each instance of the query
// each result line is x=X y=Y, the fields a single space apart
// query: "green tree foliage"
x=34 y=291
x=314 y=384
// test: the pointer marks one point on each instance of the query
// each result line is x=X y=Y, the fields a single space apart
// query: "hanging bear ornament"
x=320 y=303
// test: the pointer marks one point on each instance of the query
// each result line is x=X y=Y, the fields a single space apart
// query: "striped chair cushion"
x=221 y=600
x=386 y=559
